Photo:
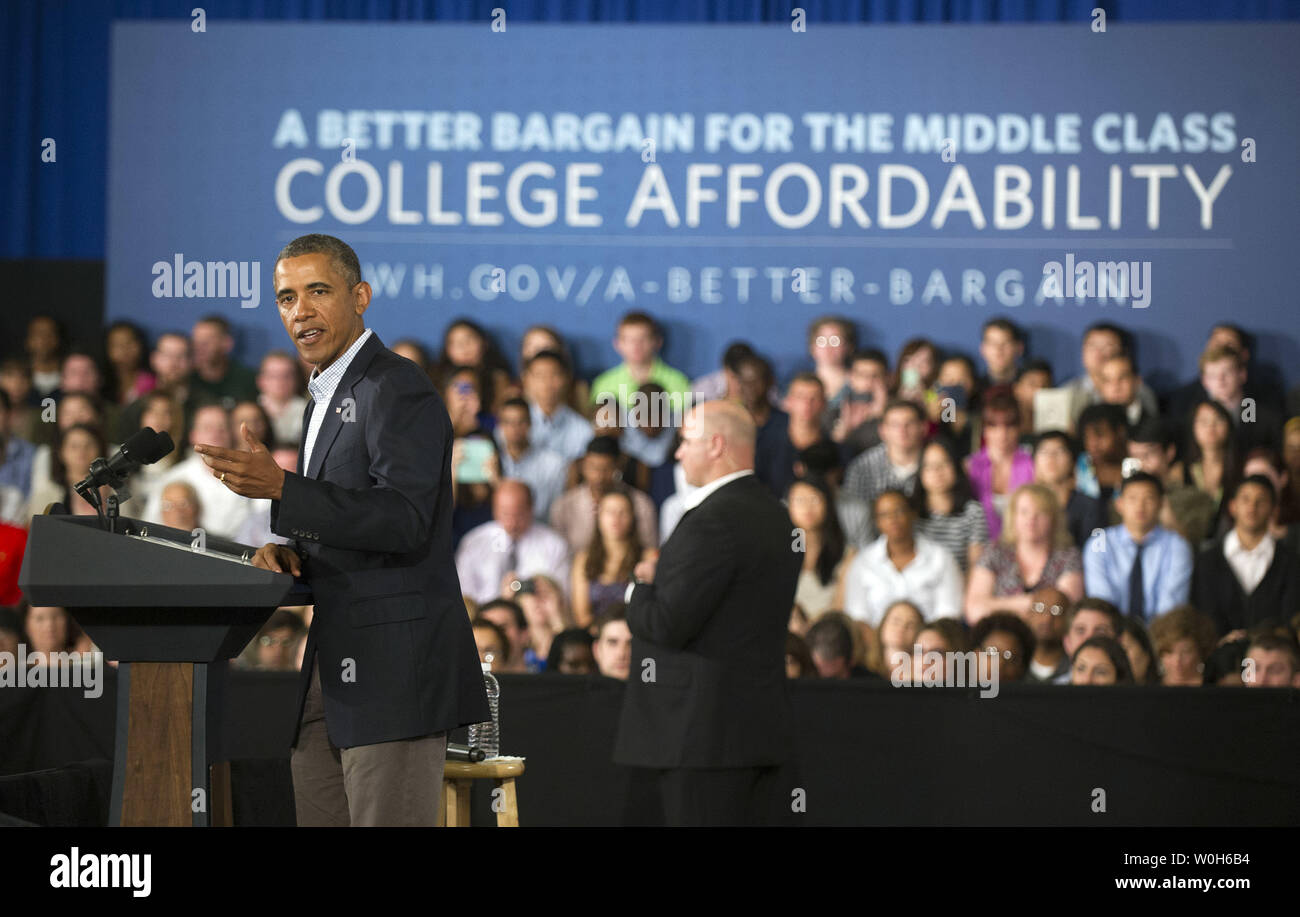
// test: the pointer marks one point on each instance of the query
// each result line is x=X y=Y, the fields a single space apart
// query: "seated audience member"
x=1001 y=465
x=1291 y=458
x=856 y=424
x=950 y=411
x=16 y=459
x=573 y=515
x=918 y=365
x=163 y=414
x=547 y=379
x=493 y=646
x=723 y=382
x=1254 y=423
x=894 y=463
x=947 y=510
x=638 y=341
x=16 y=383
x=1046 y=619
x=1211 y=459
x=1224 y=667
x=1100 y=661
x=1273 y=661
x=895 y=638
x=1101 y=342
x=1141 y=567
x=76 y=408
x=74 y=450
x=1246 y=577
x=946 y=637
x=127 y=377
x=602 y=570
x=250 y=414
x=414 y=351
x=1032 y=378
x=43 y=345
x=1034 y=551
x=836 y=647
x=1104 y=434
x=171 y=365
x=571 y=653
x=465 y=344
x=1011 y=641
x=649 y=438
x=1230 y=336
x=1185 y=510
x=612 y=647
x=832 y=340
x=507 y=615
x=825 y=554
x=547 y=612
x=1120 y=384
x=475 y=463
x=1002 y=344
x=1055 y=458
x=224 y=511
x=543 y=337
x=81 y=375
x=1141 y=653
x=48 y=629
x=901 y=564
x=774 y=454
x=216 y=376
x=543 y=470
x=805 y=405
x=798 y=660
x=1284 y=525
x=280 y=393
x=510 y=548
x=275 y=648
x=181 y=508
x=1184 y=639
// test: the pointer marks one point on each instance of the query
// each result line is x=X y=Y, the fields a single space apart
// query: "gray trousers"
x=387 y=784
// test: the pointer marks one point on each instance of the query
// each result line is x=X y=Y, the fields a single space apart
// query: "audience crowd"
x=1089 y=530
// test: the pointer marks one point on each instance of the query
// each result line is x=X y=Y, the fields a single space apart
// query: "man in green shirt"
x=637 y=341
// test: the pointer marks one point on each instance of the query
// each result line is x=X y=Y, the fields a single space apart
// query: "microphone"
x=144 y=447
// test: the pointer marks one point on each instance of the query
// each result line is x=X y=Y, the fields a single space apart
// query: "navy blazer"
x=371 y=518
x=707 y=686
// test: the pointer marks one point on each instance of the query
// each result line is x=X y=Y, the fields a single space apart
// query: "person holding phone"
x=475 y=466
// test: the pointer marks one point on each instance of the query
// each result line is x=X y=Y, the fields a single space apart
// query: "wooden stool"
x=456 y=783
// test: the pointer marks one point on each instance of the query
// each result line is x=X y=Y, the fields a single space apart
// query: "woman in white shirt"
x=901 y=564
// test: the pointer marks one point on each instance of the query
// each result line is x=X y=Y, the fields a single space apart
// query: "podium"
x=171 y=609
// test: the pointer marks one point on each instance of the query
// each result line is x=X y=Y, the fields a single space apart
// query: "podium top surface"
x=71 y=561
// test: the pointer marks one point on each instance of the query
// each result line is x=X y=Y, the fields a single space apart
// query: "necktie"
x=512 y=556
x=1136 y=598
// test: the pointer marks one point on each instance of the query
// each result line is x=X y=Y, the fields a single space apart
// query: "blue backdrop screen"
x=734 y=181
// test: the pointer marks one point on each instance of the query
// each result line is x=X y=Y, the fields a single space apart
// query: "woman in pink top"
x=1001 y=465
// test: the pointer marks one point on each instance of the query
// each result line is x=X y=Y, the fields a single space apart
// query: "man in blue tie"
x=1139 y=566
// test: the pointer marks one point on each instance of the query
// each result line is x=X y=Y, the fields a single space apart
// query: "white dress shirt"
x=931 y=581
x=322 y=386
x=483 y=558
x=1249 y=566
x=692 y=500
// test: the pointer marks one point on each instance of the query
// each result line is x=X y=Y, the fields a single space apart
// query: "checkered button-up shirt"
x=322 y=385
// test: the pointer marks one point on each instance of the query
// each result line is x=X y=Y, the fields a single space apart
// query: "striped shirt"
x=958 y=531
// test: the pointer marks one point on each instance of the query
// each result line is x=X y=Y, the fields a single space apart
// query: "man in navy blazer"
x=390 y=664
x=705 y=704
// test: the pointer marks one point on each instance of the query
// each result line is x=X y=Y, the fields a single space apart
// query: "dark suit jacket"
x=372 y=518
x=714 y=623
x=1217 y=592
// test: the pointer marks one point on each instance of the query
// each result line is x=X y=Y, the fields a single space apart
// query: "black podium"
x=171 y=609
